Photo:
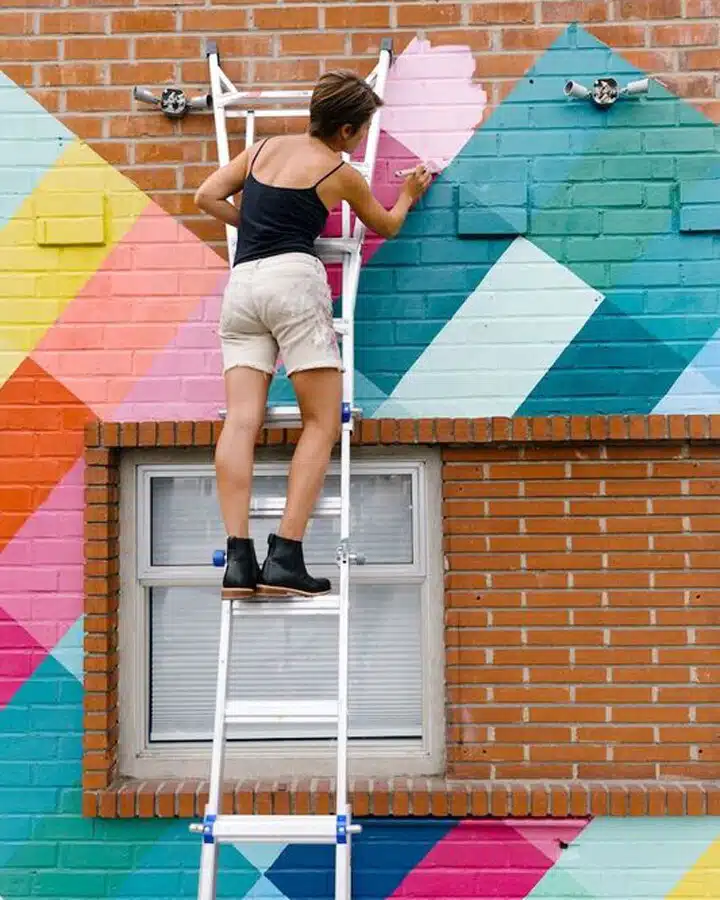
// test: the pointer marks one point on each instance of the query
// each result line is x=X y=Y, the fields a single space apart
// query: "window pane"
x=276 y=658
x=186 y=524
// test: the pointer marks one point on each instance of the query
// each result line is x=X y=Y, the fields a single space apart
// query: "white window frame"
x=138 y=758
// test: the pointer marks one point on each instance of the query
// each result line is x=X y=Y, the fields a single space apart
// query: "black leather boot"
x=284 y=574
x=241 y=568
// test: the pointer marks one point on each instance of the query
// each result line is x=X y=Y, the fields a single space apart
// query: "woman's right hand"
x=416 y=183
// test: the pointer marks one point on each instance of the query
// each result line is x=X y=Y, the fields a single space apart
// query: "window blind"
x=283 y=657
x=186 y=526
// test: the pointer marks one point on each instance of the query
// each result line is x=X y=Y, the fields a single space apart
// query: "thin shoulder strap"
x=331 y=172
x=259 y=151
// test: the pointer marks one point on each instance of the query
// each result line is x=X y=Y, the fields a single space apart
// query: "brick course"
x=582 y=630
x=81 y=62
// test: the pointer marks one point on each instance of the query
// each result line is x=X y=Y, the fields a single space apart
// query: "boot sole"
x=266 y=590
x=236 y=593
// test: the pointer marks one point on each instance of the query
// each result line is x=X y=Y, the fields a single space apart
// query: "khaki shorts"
x=279 y=306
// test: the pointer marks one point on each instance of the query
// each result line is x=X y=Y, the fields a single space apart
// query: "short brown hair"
x=341 y=98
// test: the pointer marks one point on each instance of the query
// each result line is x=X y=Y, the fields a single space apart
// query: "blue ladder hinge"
x=342 y=829
x=208 y=832
x=219 y=558
x=346 y=412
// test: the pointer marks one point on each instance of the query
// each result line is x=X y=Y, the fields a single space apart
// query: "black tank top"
x=278 y=219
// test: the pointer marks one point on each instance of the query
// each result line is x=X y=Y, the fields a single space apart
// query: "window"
x=170 y=614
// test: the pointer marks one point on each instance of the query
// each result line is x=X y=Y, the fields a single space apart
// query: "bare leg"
x=246 y=391
x=319 y=393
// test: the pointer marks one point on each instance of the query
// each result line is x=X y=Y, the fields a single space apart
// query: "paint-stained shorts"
x=282 y=306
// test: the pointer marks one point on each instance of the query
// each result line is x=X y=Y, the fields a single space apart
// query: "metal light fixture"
x=173 y=101
x=605 y=91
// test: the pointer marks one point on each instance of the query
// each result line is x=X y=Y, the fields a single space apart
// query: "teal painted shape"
x=169 y=867
x=586 y=379
x=69 y=650
x=631 y=858
x=532 y=146
x=662 y=280
x=30 y=143
x=700 y=218
x=42 y=727
x=504 y=220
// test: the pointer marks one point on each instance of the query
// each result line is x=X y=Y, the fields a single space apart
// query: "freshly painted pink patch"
x=478 y=858
x=432 y=105
x=20 y=655
x=42 y=567
x=130 y=310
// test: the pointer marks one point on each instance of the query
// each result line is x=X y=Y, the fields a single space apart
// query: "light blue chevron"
x=656 y=851
x=31 y=140
x=262 y=856
x=264 y=889
x=69 y=650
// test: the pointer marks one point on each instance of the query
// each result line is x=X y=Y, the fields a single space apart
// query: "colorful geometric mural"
x=564 y=261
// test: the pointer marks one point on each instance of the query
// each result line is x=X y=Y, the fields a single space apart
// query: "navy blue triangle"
x=382 y=856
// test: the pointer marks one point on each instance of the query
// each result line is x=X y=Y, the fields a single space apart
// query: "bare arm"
x=386 y=223
x=212 y=195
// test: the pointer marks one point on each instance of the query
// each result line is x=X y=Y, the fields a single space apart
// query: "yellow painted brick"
x=71 y=231
x=9 y=361
x=28 y=312
x=126 y=204
x=26 y=259
x=62 y=204
x=18 y=285
x=62 y=283
x=24 y=233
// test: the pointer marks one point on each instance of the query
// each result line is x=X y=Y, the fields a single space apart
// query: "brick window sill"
x=418 y=797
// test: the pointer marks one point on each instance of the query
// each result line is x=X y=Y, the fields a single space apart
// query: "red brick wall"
x=583 y=611
x=82 y=59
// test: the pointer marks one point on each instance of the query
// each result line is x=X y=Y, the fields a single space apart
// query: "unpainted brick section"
x=82 y=61
x=581 y=636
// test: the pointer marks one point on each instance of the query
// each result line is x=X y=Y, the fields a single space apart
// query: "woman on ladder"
x=277 y=300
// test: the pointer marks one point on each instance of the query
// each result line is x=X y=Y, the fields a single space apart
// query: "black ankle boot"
x=241 y=569
x=284 y=573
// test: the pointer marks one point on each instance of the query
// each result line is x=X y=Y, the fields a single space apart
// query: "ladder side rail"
x=351 y=277
x=209 y=853
x=353 y=262
x=221 y=137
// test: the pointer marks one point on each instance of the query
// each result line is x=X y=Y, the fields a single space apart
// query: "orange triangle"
x=41 y=437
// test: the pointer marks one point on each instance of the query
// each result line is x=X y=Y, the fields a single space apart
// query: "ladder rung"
x=280 y=829
x=335 y=249
x=274 y=506
x=289 y=416
x=325 y=605
x=267 y=712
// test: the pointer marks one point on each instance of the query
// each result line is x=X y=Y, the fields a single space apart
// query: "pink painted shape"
x=107 y=338
x=392 y=156
x=478 y=858
x=42 y=567
x=431 y=103
x=20 y=655
x=184 y=381
x=548 y=841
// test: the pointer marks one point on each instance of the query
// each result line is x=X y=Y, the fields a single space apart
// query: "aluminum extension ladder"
x=228 y=102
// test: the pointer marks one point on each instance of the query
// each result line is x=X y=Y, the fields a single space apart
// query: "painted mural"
x=564 y=261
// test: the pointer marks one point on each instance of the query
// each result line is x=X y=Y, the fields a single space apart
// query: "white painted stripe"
x=509 y=332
